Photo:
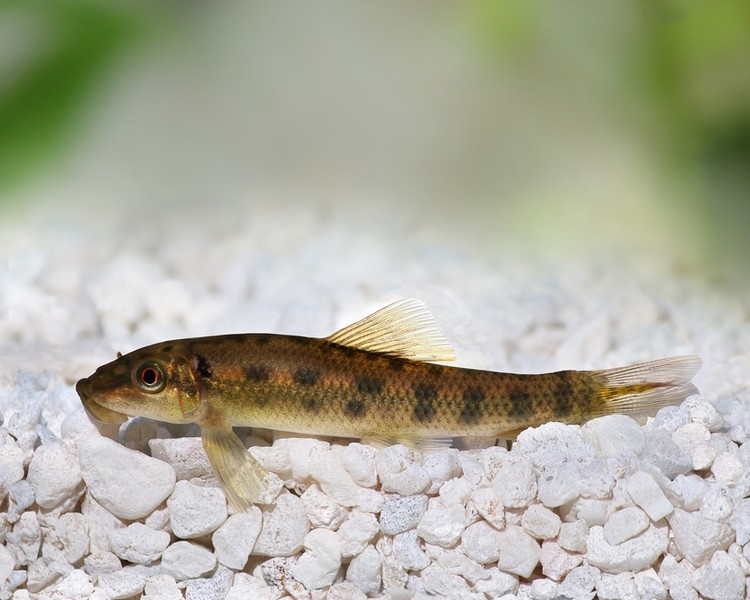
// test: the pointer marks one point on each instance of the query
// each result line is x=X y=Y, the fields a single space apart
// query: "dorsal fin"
x=404 y=329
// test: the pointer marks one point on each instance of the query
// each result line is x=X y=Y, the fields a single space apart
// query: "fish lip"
x=82 y=388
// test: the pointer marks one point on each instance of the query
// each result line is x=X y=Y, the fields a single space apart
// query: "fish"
x=379 y=379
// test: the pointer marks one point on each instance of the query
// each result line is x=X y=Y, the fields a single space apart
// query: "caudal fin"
x=647 y=387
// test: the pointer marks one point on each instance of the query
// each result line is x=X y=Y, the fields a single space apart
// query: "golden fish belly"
x=308 y=385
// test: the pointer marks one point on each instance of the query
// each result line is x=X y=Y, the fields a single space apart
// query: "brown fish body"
x=369 y=380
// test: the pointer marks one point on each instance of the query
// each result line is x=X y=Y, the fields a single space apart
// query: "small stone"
x=124 y=583
x=25 y=539
x=498 y=584
x=580 y=582
x=364 y=570
x=75 y=585
x=590 y=510
x=647 y=494
x=21 y=497
x=693 y=439
x=442 y=525
x=559 y=485
x=284 y=528
x=701 y=411
x=556 y=562
x=72 y=531
x=326 y=468
x=648 y=585
x=234 y=540
x=215 y=586
x=100 y=524
x=407 y=552
x=321 y=510
x=720 y=579
x=540 y=522
x=481 y=542
x=690 y=489
x=345 y=591
x=554 y=444
x=11 y=465
x=625 y=524
x=441 y=466
x=185 y=454
x=543 y=589
x=7 y=563
x=112 y=472
x=101 y=563
x=401 y=513
x=614 y=434
x=727 y=468
x=161 y=587
x=617 y=587
x=456 y=562
x=356 y=532
x=195 y=511
x=665 y=455
x=138 y=543
x=573 y=536
x=741 y=521
x=519 y=552
x=717 y=504
x=489 y=506
x=359 y=461
x=635 y=554
x=698 y=538
x=399 y=473
x=319 y=564
x=455 y=491
x=677 y=577
x=515 y=483
x=246 y=586
x=440 y=583
x=187 y=560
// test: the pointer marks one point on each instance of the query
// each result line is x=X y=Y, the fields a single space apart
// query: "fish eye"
x=150 y=377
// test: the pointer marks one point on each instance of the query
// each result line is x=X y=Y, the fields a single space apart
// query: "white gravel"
x=617 y=508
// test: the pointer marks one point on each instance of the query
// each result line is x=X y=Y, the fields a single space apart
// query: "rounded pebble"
x=187 y=560
x=195 y=511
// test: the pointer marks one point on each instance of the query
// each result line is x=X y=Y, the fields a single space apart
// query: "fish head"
x=149 y=382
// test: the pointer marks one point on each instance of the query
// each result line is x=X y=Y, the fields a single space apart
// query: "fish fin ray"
x=404 y=329
x=647 y=387
x=413 y=442
x=240 y=474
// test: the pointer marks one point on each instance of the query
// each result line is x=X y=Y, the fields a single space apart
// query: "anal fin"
x=240 y=474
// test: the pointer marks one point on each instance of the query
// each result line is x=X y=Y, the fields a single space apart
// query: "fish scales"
x=375 y=379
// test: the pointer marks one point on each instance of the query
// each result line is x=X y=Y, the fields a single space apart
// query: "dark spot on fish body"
x=262 y=340
x=369 y=385
x=257 y=373
x=473 y=399
x=396 y=364
x=310 y=404
x=356 y=408
x=203 y=366
x=300 y=340
x=306 y=376
x=347 y=351
x=562 y=394
x=520 y=403
x=425 y=395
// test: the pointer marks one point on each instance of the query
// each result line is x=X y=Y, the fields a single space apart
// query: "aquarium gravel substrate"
x=613 y=509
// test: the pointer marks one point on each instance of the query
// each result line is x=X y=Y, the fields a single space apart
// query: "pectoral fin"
x=240 y=474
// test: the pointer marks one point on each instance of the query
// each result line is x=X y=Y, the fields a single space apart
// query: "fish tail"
x=647 y=387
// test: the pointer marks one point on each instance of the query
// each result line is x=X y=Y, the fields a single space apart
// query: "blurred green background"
x=577 y=125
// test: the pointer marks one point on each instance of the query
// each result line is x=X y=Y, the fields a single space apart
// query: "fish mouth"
x=95 y=410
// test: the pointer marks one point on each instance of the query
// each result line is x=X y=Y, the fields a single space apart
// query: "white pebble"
x=439 y=582
x=356 y=532
x=326 y=468
x=515 y=482
x=701 y=411
x=441 y=466
x=554 y=444
x=540 y=522
x=124 y=583
x=364 y=570
x=690 y=489
x=195 y=511
x=647 y=494
x=25 y=539
x=498 y=584
x=519 y=552
x=573 y=536
x=489 y=506
x=665 y=455
x=481 y=542
x=617 y=587
x=625 y=524
x=580 y=582
x=401 y=513
x=75 y=585
x=11 y=465
x=187 y=560
x=345 y=591
x=54 y=474
x=99 y=563
x=648 y=585
x=20 y=497
x=590 y=510
x=741 y=521
x=284 y=528
x=7 y=563
x=720 y=579
x=698 y=538
x=408 y=553
x=161 y=587
x=455 y=491
x=73 y=533
x=727 y=468
x=717 y=504
x=456 y=562
x=138 y=543
x=614 y=434
x=234 y=540
x=559 y=484
x=399 y=473
x=634 y=554
x=442 y=525
x=677 y=578
x=185 y=454
x=693 y=439
x=246 y=586
x=557 y=562
x=543 y=589
x=321 y=510
x=359 y=461
x=320 y=562
x=127 y=483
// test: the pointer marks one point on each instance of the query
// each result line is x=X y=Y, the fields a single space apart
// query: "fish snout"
x=83 y=388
